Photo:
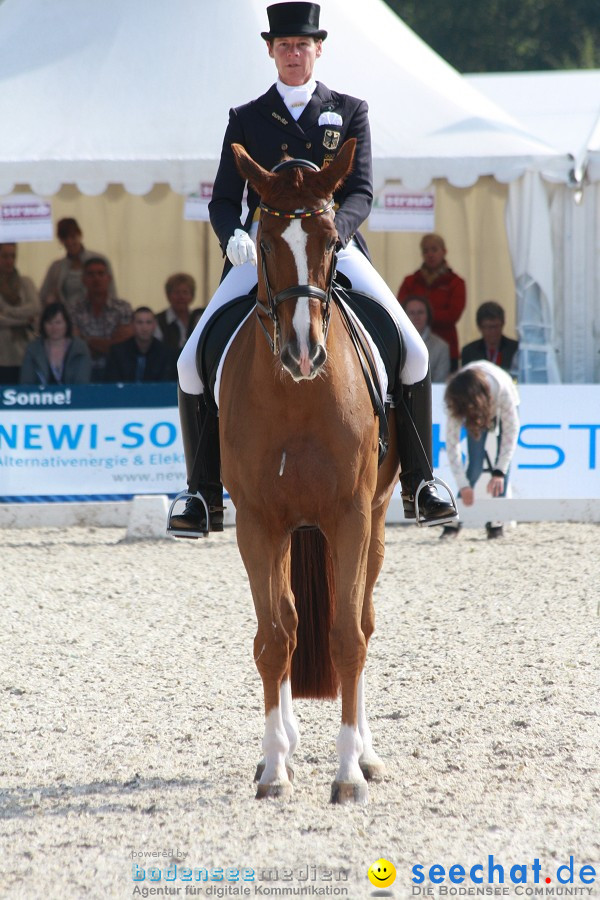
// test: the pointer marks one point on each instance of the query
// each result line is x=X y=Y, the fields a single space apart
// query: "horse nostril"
x=318 y=356
x=286 y=357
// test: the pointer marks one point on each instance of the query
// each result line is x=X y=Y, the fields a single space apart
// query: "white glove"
x=240 y=248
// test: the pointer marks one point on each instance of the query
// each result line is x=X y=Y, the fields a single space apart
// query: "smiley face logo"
x=382 y=873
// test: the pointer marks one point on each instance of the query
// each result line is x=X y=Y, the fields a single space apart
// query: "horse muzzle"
x=303 y=364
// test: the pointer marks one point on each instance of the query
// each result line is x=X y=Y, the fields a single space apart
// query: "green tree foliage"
x=507 y=35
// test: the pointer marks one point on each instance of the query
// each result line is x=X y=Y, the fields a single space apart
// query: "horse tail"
x=313 y=673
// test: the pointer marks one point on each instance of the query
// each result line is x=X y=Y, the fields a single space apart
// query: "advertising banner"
x=90 y=442
x=25 y=217
x=116 y=441
x=395 y=209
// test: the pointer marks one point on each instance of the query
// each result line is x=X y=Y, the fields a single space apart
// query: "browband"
x=296 y=164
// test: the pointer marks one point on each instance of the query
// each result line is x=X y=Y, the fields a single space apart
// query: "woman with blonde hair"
x=443 y=288
x=481 y=396
x=175 y=324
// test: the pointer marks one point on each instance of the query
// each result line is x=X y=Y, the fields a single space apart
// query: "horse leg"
x=371 y=765
x=291 y=728
x=268 y=569
x=349 y=648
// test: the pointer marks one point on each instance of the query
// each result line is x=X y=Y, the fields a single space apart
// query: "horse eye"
x=265 y=247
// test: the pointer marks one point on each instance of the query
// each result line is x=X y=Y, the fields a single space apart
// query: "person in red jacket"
x=445 y=290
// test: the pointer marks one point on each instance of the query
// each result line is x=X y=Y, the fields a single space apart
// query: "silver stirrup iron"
x=186 y=495
x=445 y=521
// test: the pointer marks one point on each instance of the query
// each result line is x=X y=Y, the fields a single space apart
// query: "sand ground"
x=132 y=718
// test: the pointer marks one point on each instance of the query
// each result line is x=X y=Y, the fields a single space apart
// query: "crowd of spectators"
x=77 y=330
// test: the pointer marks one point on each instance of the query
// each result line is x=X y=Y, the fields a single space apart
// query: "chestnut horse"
x=299 y=457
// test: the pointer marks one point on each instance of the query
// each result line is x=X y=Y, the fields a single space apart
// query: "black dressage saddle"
x=377 y=321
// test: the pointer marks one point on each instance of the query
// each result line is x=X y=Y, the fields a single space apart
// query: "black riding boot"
x=200 y=435
x=433 y=510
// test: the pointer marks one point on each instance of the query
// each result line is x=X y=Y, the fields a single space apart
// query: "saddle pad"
x=216 y=336
x=380 y=330
x=381 y=327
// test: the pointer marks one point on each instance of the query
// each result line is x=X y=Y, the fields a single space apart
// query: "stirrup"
x=444 y=521
x=188 y=533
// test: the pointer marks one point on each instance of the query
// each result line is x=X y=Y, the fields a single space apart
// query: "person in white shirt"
x=481 y=396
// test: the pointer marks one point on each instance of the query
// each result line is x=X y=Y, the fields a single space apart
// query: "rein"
x=310 y=291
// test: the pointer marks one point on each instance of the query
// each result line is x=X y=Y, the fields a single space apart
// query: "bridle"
x=297 y=290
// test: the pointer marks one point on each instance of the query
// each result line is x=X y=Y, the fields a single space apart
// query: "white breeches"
x=354 y=265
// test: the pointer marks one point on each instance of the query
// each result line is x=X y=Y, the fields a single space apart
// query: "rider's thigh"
x=365 y=278
x=239 y=281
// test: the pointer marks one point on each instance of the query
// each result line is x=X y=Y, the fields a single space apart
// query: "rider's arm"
x=355 y=197
x=225 y=208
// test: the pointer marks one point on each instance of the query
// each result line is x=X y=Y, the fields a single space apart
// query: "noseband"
x=298 y=290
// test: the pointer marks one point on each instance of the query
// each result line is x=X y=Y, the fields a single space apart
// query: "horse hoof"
x=281 y=790
x=261 y=768
x=349 y=792
x=373 y=769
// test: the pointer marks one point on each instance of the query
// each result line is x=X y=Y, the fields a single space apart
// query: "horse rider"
x=301 y=118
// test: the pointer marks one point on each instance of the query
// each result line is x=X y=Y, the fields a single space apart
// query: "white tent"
x=135 y=94
x=563 y=108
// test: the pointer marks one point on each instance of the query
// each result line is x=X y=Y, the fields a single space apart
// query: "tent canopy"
x=560 y=108
x=137 y=94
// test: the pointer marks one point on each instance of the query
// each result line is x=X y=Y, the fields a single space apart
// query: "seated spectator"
x=142 y=357
x=101 y=320
x=175 y=324
x=418 y=311
x=445 y=290
x=482 y=396
x=19 y=309
x=56 y=357
x=493 y=345
x=63 y=282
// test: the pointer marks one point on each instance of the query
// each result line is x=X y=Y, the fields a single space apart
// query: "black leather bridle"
x=297 y=290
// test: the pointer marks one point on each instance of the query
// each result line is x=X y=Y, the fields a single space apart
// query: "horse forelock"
x=291 y=190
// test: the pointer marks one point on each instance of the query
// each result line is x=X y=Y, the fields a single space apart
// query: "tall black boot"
x=200 y=436
x=415 y=461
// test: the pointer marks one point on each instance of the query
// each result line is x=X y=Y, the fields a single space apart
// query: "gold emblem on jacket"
x=331 y=138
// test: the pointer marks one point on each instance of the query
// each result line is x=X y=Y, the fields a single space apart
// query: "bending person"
x=482 y=396
x=302 y=118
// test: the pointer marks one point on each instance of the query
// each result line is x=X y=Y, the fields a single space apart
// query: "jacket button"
x=309 y=145
x=284 y=146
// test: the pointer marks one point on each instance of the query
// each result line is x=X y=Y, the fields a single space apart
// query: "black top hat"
x=293 y=20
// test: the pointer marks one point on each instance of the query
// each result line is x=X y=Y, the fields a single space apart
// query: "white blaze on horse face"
x=296 y=238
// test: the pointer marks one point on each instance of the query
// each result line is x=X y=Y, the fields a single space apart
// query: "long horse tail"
x=313 y=673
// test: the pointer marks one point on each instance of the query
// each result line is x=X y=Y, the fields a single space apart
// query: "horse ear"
x=254 y=174
x=329 y=179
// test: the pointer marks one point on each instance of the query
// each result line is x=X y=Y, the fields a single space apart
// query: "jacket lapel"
x=322 y=100
x=273 y=108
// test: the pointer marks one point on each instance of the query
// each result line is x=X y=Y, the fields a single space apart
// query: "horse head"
x=296 y=253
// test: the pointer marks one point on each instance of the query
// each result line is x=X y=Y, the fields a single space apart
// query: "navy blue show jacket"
x=268 y=132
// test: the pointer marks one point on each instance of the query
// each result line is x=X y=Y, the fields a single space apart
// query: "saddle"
x=374 y=317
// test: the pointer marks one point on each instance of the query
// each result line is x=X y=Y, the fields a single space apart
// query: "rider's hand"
x=240 y=248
